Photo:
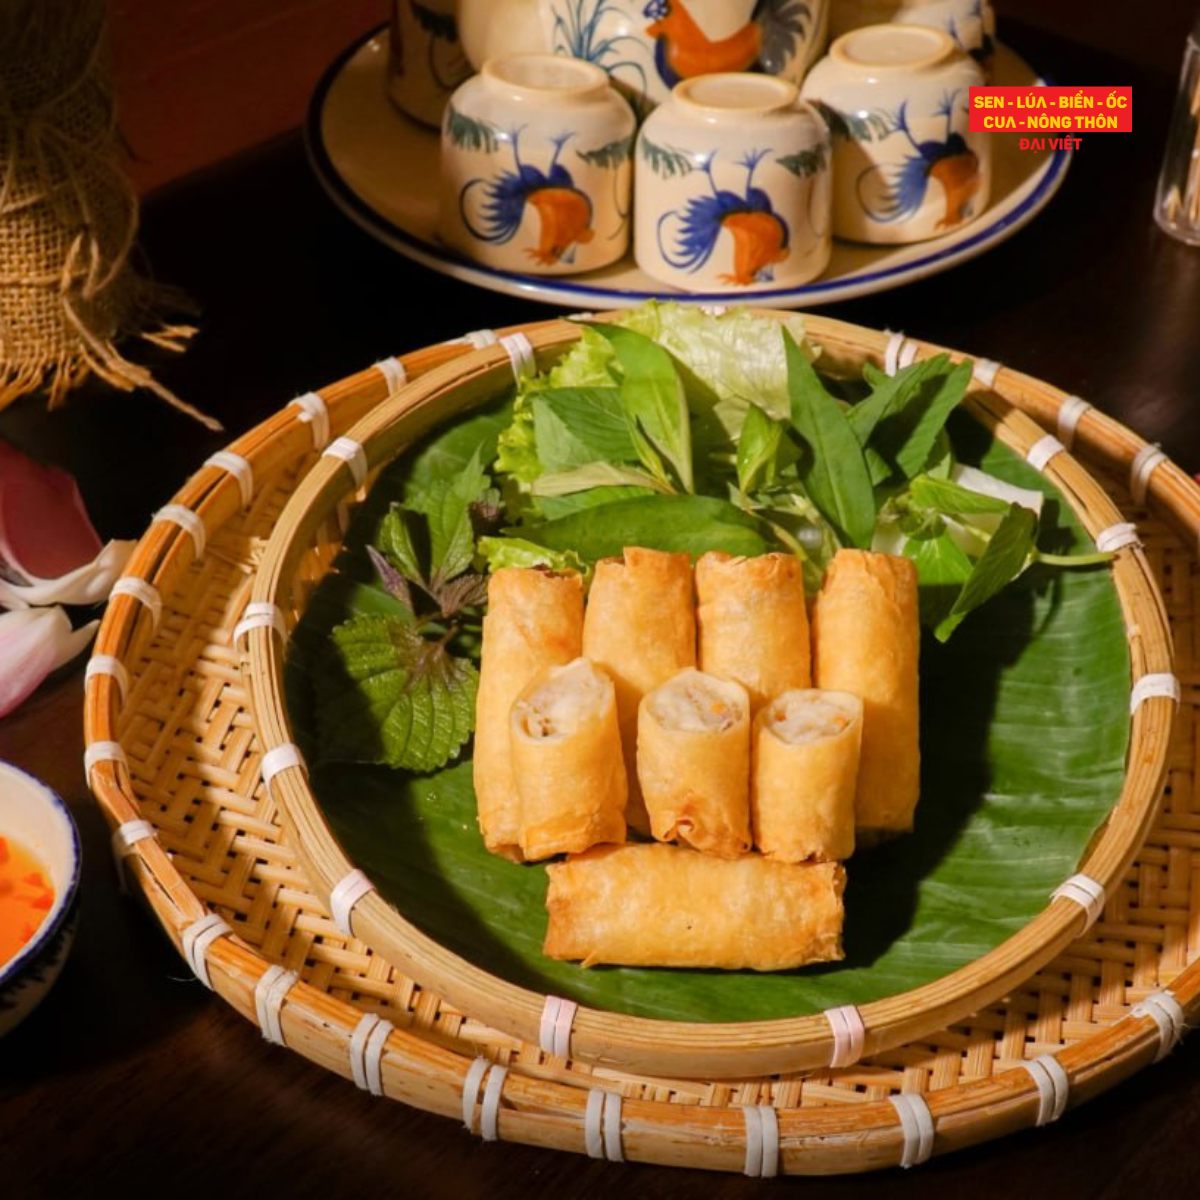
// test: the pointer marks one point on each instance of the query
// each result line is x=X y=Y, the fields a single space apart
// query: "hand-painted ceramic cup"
x=971 y=23
x=732 y=186
x=648 y=46
x=425 y=60
x=536 y=167
x=905 y=166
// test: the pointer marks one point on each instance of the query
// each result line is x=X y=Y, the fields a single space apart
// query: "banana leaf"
x=1024 y=733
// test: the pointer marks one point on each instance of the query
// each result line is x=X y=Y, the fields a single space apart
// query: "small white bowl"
x=34 y=816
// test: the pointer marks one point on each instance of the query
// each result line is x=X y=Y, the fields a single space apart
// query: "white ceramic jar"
x=425 y=61
x=732 y=186
x=905 y=166
x=536 y=167
x=648 y=46
x=971 y=23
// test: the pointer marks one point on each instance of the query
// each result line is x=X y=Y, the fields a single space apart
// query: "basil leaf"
x=942 y=569
x=695 y=524
x=550 y=508
x=577 y=426
x=835 y=476
x=906 y=437
x=653 y=397
x=999 y=564
x=387 y=695
x=756 y=449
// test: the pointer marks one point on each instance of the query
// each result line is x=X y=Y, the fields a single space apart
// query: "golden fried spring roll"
x=534 y=620
x=693 y=762
x=805 y=768
x=566 y=758
x=651 y=905
x=752 y=624
x=640 y=627
x=866 y=641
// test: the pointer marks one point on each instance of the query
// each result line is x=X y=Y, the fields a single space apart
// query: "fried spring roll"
x=751 y=623
x=806 y=748
x=866 y=641
x=651 y=905
x=566 y=757
x=640 y=627
x=693 y=762
x=534 y=620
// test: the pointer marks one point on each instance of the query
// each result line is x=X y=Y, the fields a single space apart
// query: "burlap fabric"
x=68 y=213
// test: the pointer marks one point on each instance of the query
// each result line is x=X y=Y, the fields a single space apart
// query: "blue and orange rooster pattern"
x=766 y=42
x=564 y=211
x=894 y=193
x=760 y=235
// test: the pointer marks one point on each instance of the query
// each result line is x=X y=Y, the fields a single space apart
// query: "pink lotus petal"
x=89 y=584
x=34 y=642
x=44 y=528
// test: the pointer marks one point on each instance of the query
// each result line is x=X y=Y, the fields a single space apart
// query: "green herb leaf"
x=577 y=426
x=942 y=569
x=395 y=541
x=595 y=475
x=393 y=697
x=654 y=400
x=447 y=506
x=835 y=476
x=1001 y=562
x=501 y=552
x=692 y=523
x=756 y=449
x=948 y=497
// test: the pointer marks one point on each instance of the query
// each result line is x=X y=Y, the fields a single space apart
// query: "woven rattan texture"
x=194 y=772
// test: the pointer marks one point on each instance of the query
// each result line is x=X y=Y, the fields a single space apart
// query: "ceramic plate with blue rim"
x=380 y=169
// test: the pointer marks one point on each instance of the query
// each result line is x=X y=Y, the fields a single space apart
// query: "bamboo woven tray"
x=298 y=554
x=176 y=766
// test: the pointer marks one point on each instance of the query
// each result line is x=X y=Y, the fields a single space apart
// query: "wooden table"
x=131 y=1073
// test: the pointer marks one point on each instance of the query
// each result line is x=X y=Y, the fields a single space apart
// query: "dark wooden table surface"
x=133 y=1074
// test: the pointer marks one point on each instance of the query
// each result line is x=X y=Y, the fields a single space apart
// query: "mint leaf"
x=999 y=564
x=447 y=505
x=835 y=475
x=390 y=696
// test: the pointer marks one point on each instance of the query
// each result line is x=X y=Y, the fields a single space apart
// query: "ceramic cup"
x=732 y=186
x=425 y=60
x=648 y=46
x=971 y=23
x=536 y=167
x=905 y=167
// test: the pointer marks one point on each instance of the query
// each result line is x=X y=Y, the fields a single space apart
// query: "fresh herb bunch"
x=679 y=430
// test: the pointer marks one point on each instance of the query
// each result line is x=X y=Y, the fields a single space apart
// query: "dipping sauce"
x=26 y=896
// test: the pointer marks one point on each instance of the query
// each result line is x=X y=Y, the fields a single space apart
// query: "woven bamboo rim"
x=193 y=775
x=299 y=552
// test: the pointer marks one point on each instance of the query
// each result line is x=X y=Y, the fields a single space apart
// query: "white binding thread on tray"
x=896 y=348
x=99 y=752
x=713 y=310
x=393 y=372
x=367 y=1045
x=520 y=353
x=188 y=521
x=554 y=1035
x=479 y=339
x=260 y=614
x=281 y=758
x=269 y=994
x=239 y=468
x=1084 y=891
x=110 y=665
x=1117 y=537
x=124 y=838
x=1070 y=413
x=849 y=1033
x=916 y=1121
x=345 y=895
x=1053 y=1087
x=197 y=938
x=1145 y=462
x=1043 y=450
x=985 y=370
x=352 y=454
x=144 y=593
x=1168 y=1015
x=314 y=412
x=602 y=1125
x=489 y=1110
x=762 y=1141
x=470 y=1092
x=1160 y=683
